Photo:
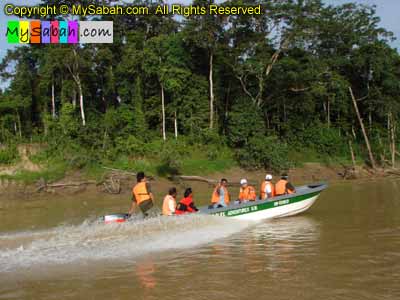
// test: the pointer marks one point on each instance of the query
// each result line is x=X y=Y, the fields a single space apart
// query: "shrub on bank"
x=9 y=155
x=264 y=152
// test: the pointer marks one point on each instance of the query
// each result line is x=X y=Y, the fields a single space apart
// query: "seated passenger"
x=186 y=205
x=169 y=203
x=220 y=196
x=247 y=192
x=267 y=189
x=284 y=187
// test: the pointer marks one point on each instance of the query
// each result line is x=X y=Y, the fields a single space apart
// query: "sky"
x=387 y=10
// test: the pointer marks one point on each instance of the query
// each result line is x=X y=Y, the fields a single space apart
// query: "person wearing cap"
x=247 y=192
x=267 y=189
x=283 y=186
x=220 y=196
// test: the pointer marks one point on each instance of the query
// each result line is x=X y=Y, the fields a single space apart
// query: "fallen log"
x=126 y=172
x=395 y=172
x=56 y=185
x=206 y=180
x=120 y=171
x=66 y=184
x=196 y=178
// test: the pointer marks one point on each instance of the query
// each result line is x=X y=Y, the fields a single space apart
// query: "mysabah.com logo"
x=59 y=32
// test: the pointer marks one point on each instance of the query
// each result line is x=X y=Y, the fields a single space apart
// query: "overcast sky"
x=387 y=10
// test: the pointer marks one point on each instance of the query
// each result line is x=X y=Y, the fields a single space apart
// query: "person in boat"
x=267 y=189
x=141 y=195
x=246 y=192
x=283 y=186
x=220 y=196
x=186 y=205
x=169 y=202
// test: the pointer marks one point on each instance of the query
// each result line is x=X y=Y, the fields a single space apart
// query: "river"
x=345 y=247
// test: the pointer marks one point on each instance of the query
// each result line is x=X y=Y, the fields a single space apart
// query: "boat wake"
x=97 y=241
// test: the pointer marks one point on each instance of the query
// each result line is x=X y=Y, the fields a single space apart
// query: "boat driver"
x=141 y=195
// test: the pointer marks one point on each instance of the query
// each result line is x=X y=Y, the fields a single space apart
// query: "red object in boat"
x=115 y=218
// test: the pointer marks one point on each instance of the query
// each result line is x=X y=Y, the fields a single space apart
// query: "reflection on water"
x=346 y=247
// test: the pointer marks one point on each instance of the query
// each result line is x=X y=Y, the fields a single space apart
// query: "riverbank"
x=118 y=183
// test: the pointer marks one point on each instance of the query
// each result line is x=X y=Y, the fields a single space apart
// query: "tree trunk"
x=211 y=83
x=19 y=125
x=176 y=125
x=392 y=139
x=353 y=132
x=163 y=112
x=105 y=139
x=74 y=98
x=353 y=159
x=328 y=113
x=371 y=156
x=284 y=112
x=370 y=119
x=81 y=103
x=53 y=101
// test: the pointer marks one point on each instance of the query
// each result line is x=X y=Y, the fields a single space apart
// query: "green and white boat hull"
x=277 y=207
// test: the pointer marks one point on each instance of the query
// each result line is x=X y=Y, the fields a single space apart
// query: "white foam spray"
x=97 y=241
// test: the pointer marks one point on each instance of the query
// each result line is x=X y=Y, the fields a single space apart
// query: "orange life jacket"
x=263 y=186
x=280 y=188
x=247 y=193
x=215 y=195
x=166 y=211
x=140 y=192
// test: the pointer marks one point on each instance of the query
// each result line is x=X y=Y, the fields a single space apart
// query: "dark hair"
x=284 y=175
x=140 y=176
x=224 y=180
x=172 y=191
x=188 y=191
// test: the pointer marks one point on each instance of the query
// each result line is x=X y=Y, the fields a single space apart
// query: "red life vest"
x=184 y=206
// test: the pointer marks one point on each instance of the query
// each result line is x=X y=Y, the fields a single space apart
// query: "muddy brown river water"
x=347 y=246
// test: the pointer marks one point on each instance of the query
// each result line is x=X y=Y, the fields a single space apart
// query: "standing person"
x=220 y=196
x=186 y=205
x=141 y=195
x=283 y=186
x=267 y=189
x=169 y=203
x=247 y=192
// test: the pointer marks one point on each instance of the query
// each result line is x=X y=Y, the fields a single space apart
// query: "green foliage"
x=170 y=157
x=8 y=155
x=245 y=122
x=68 y=121
x=52 y=173
x=139 y=123
x=209 y=159
x=322 y=139
x=264 y=152
x=130 y=146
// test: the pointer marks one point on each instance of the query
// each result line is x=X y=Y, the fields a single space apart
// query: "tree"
x=204 y=32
